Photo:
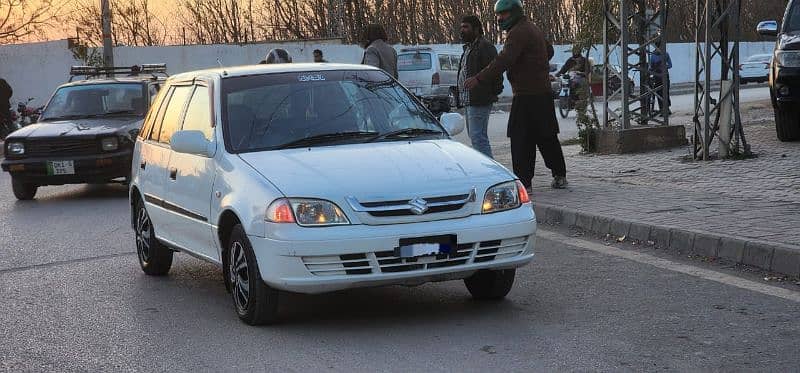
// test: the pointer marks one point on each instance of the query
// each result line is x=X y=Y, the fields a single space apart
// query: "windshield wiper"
x=121 y=112
x=327 y=137
x=408 y=132
x=73 y=116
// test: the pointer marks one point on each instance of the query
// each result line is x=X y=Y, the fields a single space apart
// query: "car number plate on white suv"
x=425 y=246
x=60 y=168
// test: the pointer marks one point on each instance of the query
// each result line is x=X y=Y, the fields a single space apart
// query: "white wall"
x=35 y=70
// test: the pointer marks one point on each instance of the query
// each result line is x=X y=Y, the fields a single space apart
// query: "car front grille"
x=403 y=208
x=61 y=147
x=387 y=261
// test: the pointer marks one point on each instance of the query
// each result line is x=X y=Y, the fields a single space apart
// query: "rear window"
x=759 y=58
x=414 y=62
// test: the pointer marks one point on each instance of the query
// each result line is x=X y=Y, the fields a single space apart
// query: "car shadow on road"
x=196 y=284
x=89 y=192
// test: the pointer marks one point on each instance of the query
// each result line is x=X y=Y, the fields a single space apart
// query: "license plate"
x=426 y=246
x=60 y=168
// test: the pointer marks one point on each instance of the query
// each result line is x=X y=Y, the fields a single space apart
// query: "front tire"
x=154 y=258
x=787 y=124
x=490 y=284
x=23 y=191
x=255 y=302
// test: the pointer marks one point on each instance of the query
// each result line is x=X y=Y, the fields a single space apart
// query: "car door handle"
x=143 y=165
x=173 y=173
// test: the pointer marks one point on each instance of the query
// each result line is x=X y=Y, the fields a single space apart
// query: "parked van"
x=429 y=73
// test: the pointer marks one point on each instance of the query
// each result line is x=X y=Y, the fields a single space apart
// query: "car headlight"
x=788 y=58
x=16 y=148
x=505 y=196
x=109 y=144
x=306 y=212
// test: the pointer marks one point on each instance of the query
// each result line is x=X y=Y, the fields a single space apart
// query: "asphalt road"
x=74 y=299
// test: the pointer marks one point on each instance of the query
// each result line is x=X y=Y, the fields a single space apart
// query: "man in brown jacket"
x=533 y=120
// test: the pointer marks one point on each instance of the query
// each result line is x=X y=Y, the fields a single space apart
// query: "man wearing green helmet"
x=532 y=122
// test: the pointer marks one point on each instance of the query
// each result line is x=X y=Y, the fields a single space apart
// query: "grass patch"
x=568 y=142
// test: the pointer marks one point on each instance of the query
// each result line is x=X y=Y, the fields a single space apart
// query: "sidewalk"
x=747 y=211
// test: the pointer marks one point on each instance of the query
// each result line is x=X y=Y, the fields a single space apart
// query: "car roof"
x=237 y=71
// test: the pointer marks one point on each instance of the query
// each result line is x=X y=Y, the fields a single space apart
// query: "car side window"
x=444 y=62
x=152 y=134
x=172 y=115
x=198 y=113
x=149 y=119
x=455 y=62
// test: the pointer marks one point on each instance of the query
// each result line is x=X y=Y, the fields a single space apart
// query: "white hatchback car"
x=315 y=178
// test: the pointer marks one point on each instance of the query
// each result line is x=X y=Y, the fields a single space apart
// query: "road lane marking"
x=662 y=263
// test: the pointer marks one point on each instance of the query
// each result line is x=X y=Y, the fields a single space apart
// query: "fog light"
x=784 y=90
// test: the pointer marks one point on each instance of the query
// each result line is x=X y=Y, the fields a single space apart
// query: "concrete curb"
x=770 y=256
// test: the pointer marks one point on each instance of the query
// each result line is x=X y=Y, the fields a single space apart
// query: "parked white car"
x=755 y=69
x=315 y=178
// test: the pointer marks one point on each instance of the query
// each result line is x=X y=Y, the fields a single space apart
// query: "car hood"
x=789 y=41
x=379 y=171
x=80 y=127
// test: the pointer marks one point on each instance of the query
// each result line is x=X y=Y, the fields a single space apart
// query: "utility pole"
x=108 y=47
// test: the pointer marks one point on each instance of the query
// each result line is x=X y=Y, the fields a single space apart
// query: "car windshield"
x=94 y=100
x=759 y=58
x=414 y=61
x=275 y=111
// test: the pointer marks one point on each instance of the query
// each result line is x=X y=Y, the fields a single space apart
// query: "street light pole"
x=108 y=47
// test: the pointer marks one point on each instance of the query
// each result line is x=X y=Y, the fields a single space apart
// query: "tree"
x=21 y=19
x=132 y=22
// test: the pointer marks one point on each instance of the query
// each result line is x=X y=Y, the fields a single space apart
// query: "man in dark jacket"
x=377 y=52
x=5 y=105
x=478 y=53
x=533 y=115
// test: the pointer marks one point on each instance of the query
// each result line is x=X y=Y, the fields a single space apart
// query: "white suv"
x=309 y=178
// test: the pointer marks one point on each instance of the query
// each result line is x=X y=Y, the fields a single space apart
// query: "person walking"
x=532 y=122
x=478 y=101
x=377 y=52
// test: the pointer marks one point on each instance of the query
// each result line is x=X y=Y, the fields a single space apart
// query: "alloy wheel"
x=239 y=276
x=144 y=232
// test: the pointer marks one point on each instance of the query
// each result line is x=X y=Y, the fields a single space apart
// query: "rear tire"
x=787 y=123
x=154 y=258
x=490 y=284
x=23 y=191
x=255 y=302
x=563 y=107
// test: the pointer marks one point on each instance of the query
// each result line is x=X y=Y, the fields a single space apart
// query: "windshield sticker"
x=311 y=78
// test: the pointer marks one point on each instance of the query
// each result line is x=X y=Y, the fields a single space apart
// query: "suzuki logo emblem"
x=418 y=206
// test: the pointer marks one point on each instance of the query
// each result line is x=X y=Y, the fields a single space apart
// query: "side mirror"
x=767 y=28
x=454 y=123
x=191 y=142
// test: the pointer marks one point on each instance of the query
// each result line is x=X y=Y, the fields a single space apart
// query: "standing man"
x=5 y=105
x=478 y=53
x=378 y=53
x=660 y=63
x=533 y=115
x=318 y=56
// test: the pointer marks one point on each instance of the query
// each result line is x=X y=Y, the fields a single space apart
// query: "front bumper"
x=786 y=85
x=364 y=256
x=96 y=168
